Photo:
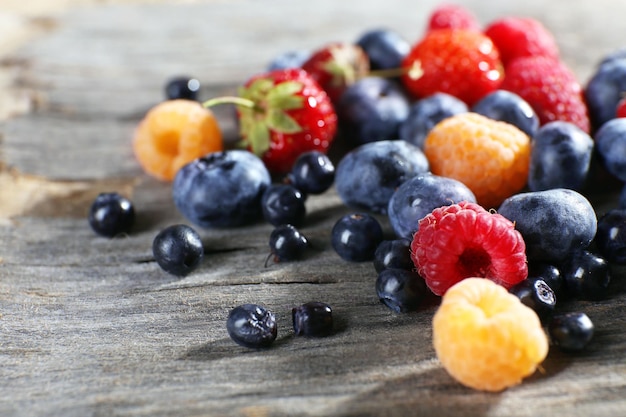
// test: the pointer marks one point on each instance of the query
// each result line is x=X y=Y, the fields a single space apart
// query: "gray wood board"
x=91 y=326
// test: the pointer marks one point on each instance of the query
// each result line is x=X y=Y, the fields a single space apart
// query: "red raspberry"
x=519 y=36
x=621 y=108
x=464 y=240
x=452 y=16
x=550 y=87
x=463 y=63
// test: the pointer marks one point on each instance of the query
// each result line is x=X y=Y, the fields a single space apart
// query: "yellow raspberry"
x=485 y=337
x=490 y=157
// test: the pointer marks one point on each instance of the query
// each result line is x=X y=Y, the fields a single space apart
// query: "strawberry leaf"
x=258 y=137
x=284 y=95
x=280 y=121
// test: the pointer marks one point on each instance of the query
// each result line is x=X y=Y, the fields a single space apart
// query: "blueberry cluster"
x=385 y=174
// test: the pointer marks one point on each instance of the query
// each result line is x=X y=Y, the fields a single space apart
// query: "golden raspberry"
x=485 y=337
x=173 y=133
x=490 y=157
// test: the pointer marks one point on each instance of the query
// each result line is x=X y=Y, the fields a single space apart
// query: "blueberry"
x=221 y=189
x=111 y=214
x=312 y=173
x=401 y=290
x=393 y=254
x=289 y=59
x=420 y=195
x=613 y=56
x=368 y=175
x=508 y=107
x=384 y=47
x=611 y=236
x=287 y=243
x=548 y=273
x=426 y=113
x=610 y=142
x=314 y=319
x=182 y=88
x=355 y=237
x=587 y=276
x=283 y=204
x=178 y=249
x=571 y=331
x=604 y=90
x=554 y=223
x=560 y=157
x=537 y=295
x=252 y=326
x=372 y=109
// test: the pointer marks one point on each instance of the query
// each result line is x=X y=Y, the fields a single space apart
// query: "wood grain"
x=92 y=327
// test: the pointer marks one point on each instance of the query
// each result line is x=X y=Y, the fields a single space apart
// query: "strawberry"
x=521 y=36
x=336 y=66
x=282 y=114
x=460 y=62
x=452 y=16
x=551 y=89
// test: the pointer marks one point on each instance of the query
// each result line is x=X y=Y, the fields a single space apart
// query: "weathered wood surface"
x=92 y=327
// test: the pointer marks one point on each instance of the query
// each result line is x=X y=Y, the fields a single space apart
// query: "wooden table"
x=92 y=327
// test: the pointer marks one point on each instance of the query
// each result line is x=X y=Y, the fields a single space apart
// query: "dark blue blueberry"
x=313 y=319
x=506 y=106
x=111 y=214
x=178 y=249
x=355 y=237
x=426 y=113
x=615 y=55
x=252 y=326
x=622 y=198
x=554 y=223
x=289 y=59
x=287 y=243
x=368 y=175
x=560 y=157
x=221 y=189
x=420 y=195
x=587 y=276
x=182 y=88
x=312 y=173
x=610 y=142
x=385 y=48
x=401 y=290
x=372 y=109
x=571 y=331
x=536 y=294
x=283 y=204
x=548 y=273
x=393 y=254
x=611 y=236
x=604 y=90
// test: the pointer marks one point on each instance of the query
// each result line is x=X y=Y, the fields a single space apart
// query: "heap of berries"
x=474 y=143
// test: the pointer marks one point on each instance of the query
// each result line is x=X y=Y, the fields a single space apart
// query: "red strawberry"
x=550 y=87
x=336 y=66
x=460 y=62
x=452 y=16
x=282 y=114
x=519 y=36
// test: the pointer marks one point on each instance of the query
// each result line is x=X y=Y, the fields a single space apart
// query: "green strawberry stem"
x=414 y=72
x=238 y=101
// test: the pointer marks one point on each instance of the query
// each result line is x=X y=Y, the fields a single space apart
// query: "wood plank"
x=91 y=326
